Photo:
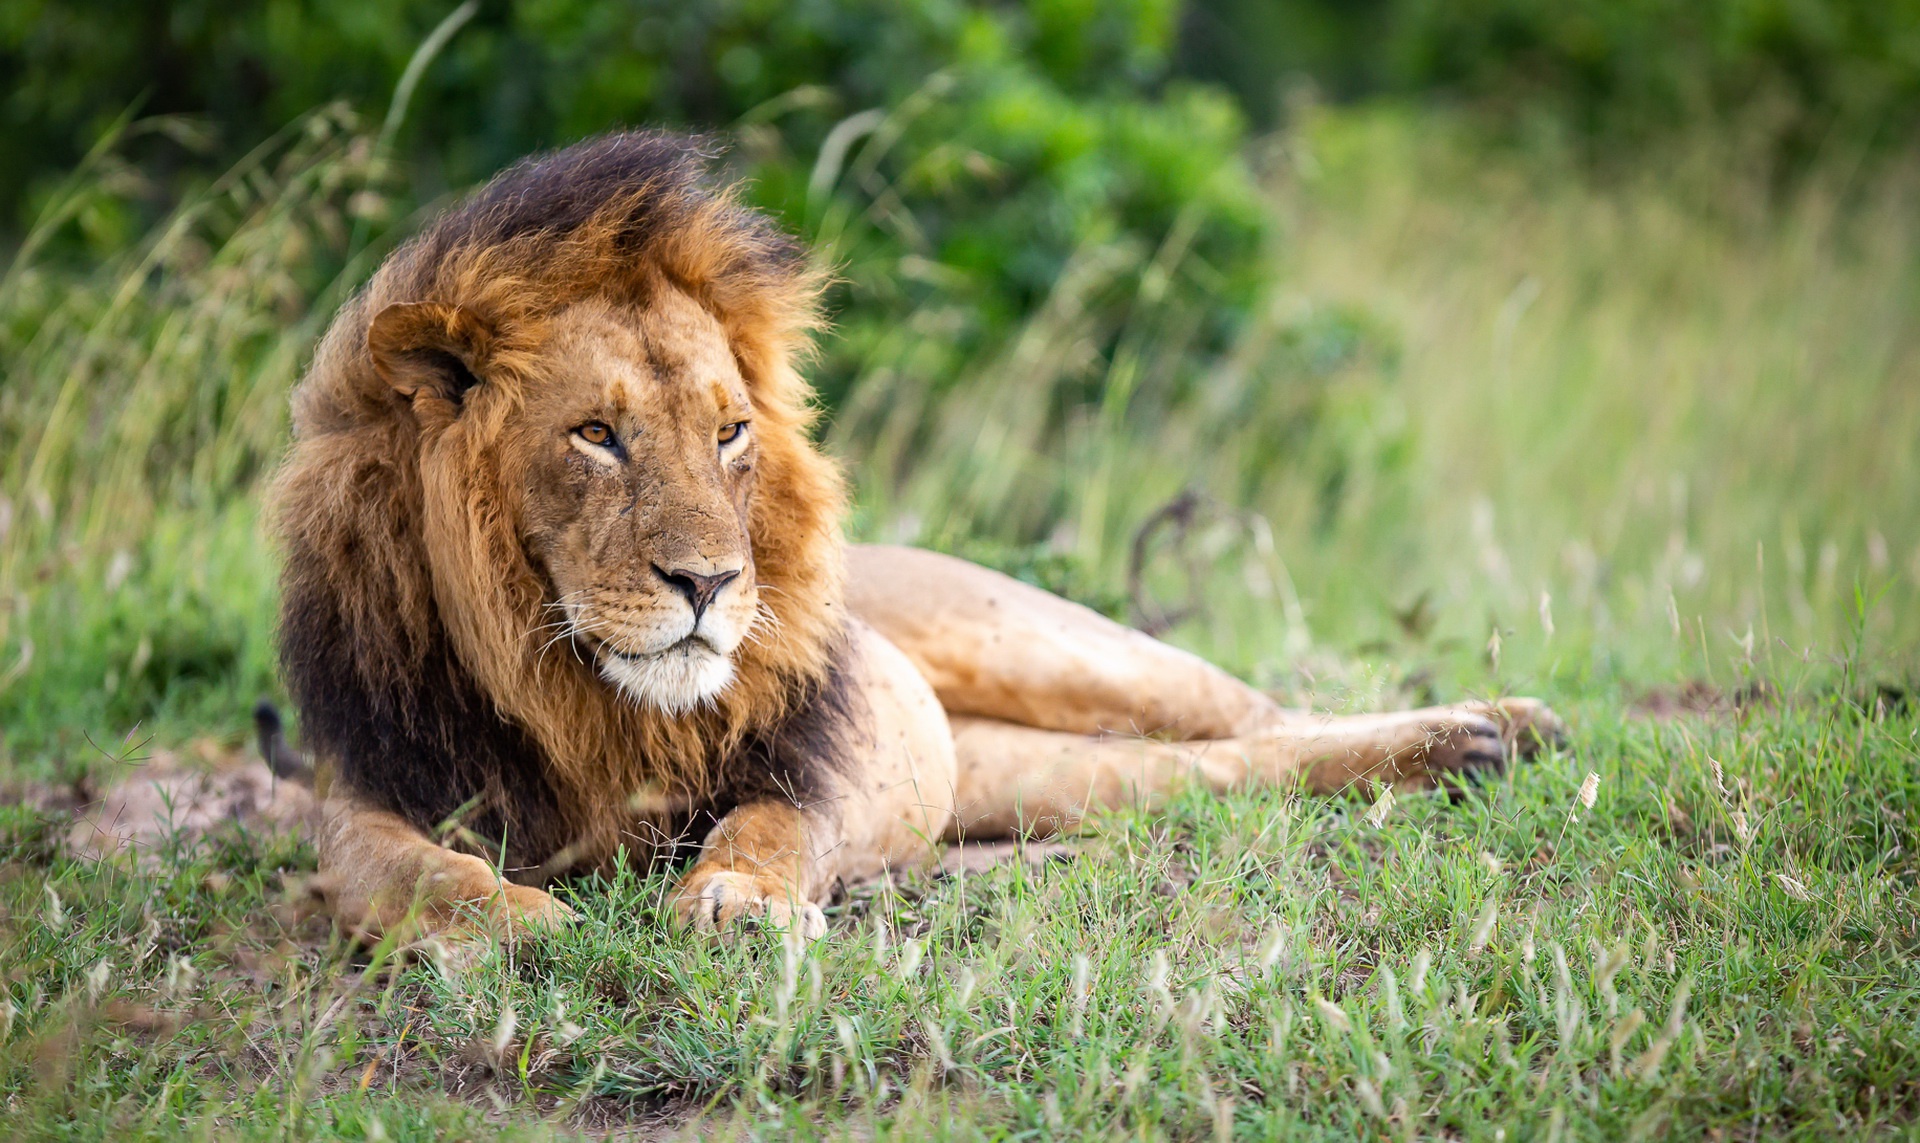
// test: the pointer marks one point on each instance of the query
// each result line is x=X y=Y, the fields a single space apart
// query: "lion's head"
x=625 y=465
x=555 y=458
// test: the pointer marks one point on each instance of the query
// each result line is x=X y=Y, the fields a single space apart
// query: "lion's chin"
x=674 y=681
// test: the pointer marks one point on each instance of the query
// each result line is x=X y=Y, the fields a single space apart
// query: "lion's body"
x=564 y=580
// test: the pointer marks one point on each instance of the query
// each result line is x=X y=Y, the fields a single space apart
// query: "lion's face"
x=639 y=467
x=630 y=450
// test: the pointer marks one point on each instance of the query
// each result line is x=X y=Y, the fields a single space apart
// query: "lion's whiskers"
x=566 y=627
x=765 y=624
x=566 y=633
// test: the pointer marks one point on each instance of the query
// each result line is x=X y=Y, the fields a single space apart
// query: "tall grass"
x=1488 y=409
x=145 y=398
x=1686 y=393
x=1590 y=416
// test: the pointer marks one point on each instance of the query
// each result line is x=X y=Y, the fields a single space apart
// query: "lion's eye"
x=733 y=432
x=594 y=433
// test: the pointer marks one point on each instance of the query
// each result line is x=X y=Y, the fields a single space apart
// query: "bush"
x=964 y=145
x=1611 y=71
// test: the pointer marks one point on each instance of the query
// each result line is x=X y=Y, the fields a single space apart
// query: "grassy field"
x=1640 y=444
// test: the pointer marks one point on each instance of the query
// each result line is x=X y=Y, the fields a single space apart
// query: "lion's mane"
x=412 y=645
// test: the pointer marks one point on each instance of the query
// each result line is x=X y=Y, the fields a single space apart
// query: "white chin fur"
x=675 y=681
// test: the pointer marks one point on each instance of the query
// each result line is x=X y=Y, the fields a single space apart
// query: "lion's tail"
x=287 y=764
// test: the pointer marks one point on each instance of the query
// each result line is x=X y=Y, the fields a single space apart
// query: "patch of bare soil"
x=172 y=796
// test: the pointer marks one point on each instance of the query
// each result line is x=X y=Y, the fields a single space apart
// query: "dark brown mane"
x=584 y=220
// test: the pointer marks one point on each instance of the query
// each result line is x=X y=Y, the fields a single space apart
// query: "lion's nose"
x=699 y=589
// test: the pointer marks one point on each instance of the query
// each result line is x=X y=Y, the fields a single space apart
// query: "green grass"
x=1704 y=949
x=1496 y=428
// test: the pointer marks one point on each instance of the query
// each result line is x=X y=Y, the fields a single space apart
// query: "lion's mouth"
x=686 y=645
x=676 y=678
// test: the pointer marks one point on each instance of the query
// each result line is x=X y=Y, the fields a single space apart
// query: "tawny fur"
x=426 y=538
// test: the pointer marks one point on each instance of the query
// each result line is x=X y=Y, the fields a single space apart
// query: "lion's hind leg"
x=1527 y=724
x=1017 y=780
x=993 y=647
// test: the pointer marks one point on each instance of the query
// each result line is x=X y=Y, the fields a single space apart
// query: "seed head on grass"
x=964 y=984
x=1222 y=1116
x=1589 y=793
x=97 y=977
x=1622 y=1032
x=1608 y=965
x=502 y=1038
x=1158 y=970
x=1332 y=1013
x=1082 y=987
x=1647 y=1067
x=1483 y=928
x=937 y=1040
x=908 y=964
x=843 y=1031
x=1382 y=806
x=1273 y=948
x=181 y=976
x=1370 y=1098
x=1390 y=996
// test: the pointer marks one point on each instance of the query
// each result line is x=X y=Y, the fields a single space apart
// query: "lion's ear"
x=429 y=349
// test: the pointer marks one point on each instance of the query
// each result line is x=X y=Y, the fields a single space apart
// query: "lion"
x=564 y=585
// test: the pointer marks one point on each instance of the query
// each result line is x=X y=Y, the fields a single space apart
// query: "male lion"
x=564 y=580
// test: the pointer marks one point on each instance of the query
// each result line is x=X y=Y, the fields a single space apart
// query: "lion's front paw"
x=520 y=910
x=457 y=934
x=462 y=900
x=722 y=901
x=511 y=915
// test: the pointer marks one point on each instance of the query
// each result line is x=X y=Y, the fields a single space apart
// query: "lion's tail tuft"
x=287 y=764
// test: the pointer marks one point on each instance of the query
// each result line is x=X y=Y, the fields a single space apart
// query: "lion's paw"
x=521 y=910
x=1527 y=725
x=725 y=901
x=460 y=934
x=513 y=914
x=463 y=900
x=1459 y=750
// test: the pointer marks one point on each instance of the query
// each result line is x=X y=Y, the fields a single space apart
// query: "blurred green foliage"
x=1064 y=117
x=981 y=143
x=958 y=149
x=1605 y=71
